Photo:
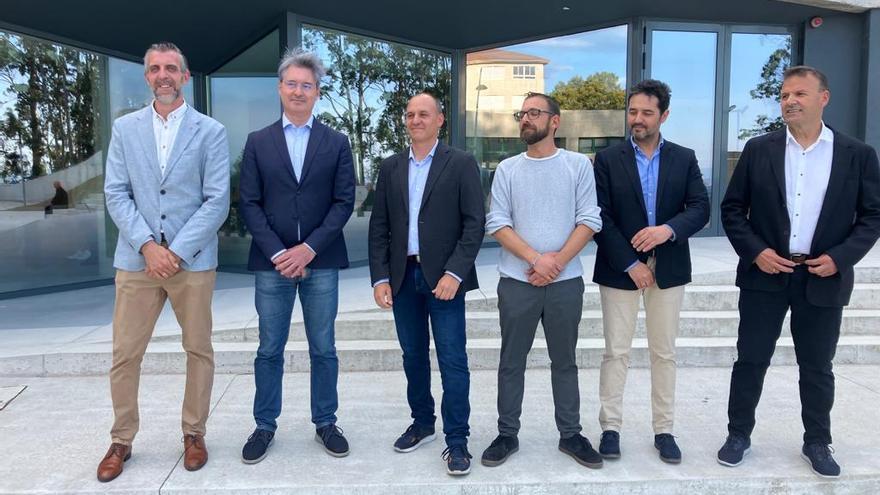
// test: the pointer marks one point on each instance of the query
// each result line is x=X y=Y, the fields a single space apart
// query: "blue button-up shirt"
x=297 y=138
x=418 y=178
x=649 y=170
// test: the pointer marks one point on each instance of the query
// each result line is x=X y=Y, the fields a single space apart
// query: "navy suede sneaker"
x=499 y=450
x=733 y=450
x=669 y=451
x=609 y=445
x=818 y=456
x=458 y=460
x=257 y=446
x=331 y=438
x=414 y=437
x=579 y=448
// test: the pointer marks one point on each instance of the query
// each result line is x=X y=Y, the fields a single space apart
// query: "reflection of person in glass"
x=167 y=190
x=543 y=213
x=297 y=192
x=802 y=207
x=425 y=233
x=60 y=200
x=653 y=200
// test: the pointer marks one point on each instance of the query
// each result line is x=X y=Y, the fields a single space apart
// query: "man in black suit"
x=653 y=199
x=425 y=232
x=802 y=207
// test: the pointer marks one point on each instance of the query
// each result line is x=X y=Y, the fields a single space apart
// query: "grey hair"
x=297 y=57
x=433 y=97
x=165 y=46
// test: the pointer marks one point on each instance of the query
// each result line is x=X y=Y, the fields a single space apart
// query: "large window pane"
x=757 y=62
x=56 y=106
x=364 y=96
x=243 y=97
x=585 y=72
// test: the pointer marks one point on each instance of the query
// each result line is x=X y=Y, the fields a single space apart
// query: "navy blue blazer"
x=682 y=203
x=281 y=211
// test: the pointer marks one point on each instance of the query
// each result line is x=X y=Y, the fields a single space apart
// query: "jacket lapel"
x=316 y=137
x=438 y=163
x=777 y=161
x=277 y=132
x=148 y=143
x=401 y=168
x=628 y=163
x=841 y=159
x=189 y=127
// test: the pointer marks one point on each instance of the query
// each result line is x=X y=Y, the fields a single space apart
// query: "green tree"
x=599 y=91
x=768 y=89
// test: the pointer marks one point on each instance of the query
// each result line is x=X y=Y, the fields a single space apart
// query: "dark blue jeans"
x=413 y=305
x=275 y=295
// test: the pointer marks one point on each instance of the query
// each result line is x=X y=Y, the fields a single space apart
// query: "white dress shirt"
x=165 y=132
x=806 y=179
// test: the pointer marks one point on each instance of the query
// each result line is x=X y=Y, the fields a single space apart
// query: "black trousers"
x=815 y=331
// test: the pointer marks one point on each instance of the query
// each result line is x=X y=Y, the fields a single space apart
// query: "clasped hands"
x=771 y=263
x=293 y=261
x=544 y=269
x=161 y=262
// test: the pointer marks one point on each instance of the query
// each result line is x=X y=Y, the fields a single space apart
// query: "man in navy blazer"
x=297 y=193
x=653 y=200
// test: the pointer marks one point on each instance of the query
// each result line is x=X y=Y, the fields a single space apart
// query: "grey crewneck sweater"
x=543 y=200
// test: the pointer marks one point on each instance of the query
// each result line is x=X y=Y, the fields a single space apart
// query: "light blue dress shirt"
x=649 y=172
x=418 y=178
x=297 y=138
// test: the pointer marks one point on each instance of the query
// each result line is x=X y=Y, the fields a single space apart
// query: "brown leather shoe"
x=111 y=466
x=195 y=453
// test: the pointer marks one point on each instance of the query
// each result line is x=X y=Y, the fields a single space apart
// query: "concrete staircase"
x=366 y=340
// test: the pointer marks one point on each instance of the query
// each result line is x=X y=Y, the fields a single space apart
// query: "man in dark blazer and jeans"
x=297 y=193
x=425 y=231
x=802 y=207
x=653 y=200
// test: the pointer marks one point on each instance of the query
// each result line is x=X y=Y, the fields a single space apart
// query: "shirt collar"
x=176 y=114
x=639 y=150
x=286 y=122
x=825 y=134
x=429 y=155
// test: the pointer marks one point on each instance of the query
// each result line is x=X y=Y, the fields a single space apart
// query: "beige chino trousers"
x=139 y=301
x=619 y=317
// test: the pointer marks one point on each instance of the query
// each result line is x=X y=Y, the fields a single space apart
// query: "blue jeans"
x=275 y=295
x=413 y=305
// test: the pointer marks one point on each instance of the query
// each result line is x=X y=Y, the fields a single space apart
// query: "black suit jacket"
x=682 y=203
x=281 y=211
x=451 y=219
x=755 y=215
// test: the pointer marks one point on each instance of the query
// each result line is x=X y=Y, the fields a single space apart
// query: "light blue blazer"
x=188 y=204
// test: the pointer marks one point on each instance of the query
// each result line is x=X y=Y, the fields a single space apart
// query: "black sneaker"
x=609 y=445
x=414 y=437
x=579 y=449
x=458 y=460
x=733 y=450
x=818 y=456
x=501 y=448
x=331 y=438
x=257 y=446
x=669 y=451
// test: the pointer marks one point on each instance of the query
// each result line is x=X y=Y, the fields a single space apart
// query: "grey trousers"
x=558 y=306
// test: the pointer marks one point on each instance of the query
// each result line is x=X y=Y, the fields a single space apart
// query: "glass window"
x=364 y=95
x=56 y=107
x=243 y=96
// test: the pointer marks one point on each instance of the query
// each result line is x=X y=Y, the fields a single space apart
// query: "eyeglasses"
x=533 y=114
x=292 y=85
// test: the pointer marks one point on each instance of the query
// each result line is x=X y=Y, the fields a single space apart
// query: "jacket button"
x=162 y=217
x=162 y=191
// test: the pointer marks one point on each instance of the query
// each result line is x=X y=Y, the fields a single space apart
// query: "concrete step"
x=696 y=298
x=385 y=355
x=484 y=324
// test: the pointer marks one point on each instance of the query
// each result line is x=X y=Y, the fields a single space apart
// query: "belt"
x=798 y=258
x=414 y=258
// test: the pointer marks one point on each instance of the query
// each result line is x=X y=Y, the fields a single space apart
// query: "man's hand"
x=650 y=237
x=446 y=288
x=770 y=262
x=382 y=295
x=545 y=270
x=292 y=263
x=641 y=275
x=823 y=266
x=161 y=262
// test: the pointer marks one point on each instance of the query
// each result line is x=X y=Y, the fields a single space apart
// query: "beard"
x=532 y=134
x=167 y=98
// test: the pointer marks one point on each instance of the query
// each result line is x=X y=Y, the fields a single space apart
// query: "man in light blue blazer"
x=167 y=190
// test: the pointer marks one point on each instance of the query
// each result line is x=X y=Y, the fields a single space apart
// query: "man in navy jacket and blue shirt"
x=653 y=199
x=297 y=193
x=425 y=232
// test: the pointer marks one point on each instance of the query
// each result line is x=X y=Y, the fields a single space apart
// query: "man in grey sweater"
x=543 y=212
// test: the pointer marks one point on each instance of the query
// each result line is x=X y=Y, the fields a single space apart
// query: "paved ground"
x=53 y=435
